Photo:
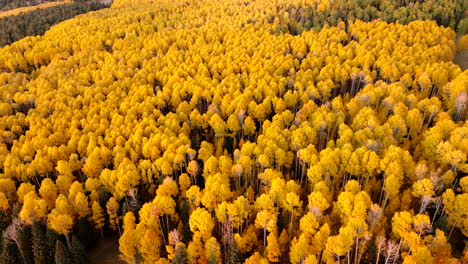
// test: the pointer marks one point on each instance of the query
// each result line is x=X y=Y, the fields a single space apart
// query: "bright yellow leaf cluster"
x=202 y=121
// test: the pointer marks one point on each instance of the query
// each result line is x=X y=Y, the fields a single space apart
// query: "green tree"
x=85 y=232
x=62 y=254
x=50 y=243
x=10 y=252
x=25 y=244
x=212 y=260
x=78 y=252
x=233 y=254
x=39 y=246
x=181 y=255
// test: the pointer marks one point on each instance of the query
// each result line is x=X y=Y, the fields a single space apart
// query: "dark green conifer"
x=181 y=255
x=25 y=245
x=233 y=256
x=10 y=252
x=78 y=252
x=62 y=254
x=38 y=244
x=212 y=260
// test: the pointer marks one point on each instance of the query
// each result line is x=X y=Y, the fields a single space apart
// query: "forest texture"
x=6 y=5
x=36 y=20
x=237 y=132
x=26 y=9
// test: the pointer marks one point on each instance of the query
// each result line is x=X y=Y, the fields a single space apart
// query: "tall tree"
x=78 y=252
x=181 y=255
x=25 y=244
x=39 y=245
x=233 y=256
x=62 y=254
x=10 y=252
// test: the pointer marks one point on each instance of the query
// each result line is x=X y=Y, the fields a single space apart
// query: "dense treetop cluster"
x=202 y=134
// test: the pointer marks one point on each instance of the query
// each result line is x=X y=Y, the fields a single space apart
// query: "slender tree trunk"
x=162 y=232
x=451 y=231
x=397 y=253
x=291 y=222
x=381 y=191
x=378 y=254
x=68 y=242
x=357 y=248
x=435 y=213
x=385 y=201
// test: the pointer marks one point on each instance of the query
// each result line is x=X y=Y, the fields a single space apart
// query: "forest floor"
x=106 y=251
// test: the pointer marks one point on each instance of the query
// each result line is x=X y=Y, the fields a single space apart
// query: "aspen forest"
x=235 y=131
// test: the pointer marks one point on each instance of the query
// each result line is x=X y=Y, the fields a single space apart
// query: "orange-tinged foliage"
x=205 y=125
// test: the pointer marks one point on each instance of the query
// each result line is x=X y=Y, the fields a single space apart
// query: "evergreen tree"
x=62 y=254
x=10 y=253
x=125 y=209
x=234 y=256
x=50 y=244
x=38 y=243
x=5 y=220
x=78 y=252
x=25 y=244
x=85 y=233
x=16 y=210
x=181 y=256
x=104 y=196
x=212 y=260
x=185 y=215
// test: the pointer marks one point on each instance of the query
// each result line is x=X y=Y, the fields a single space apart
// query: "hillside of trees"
x=12 y=4
x=207 y=131
x=38 y=21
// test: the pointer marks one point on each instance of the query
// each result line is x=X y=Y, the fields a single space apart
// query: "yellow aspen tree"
x=4 y=204
x=423 y=189
x=112 y=207
x=81 y=205
x=128 y=243
x=273 y=251
x=184 y=183
x=460 y=216
x=201 y=222
x=293 y=204
x=167 y=188
x=60 y=219
x=299 y=249
x=341 y=244
x=150 y=246
x=7 y=186
x=97 y=216
x=194 y=196
x=27 y=213
x=48 y=192
x=64 y=183
x=195 y=249
x=213 y=250
x=24 y=189
x=256 y=258
x=267 y=221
